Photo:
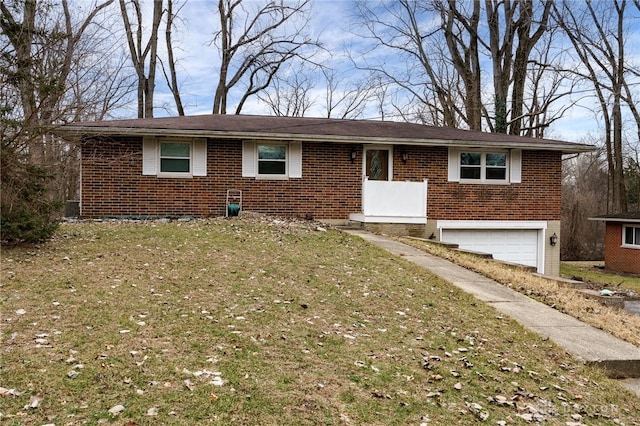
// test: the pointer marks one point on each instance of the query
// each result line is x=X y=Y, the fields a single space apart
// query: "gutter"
x=77 y=133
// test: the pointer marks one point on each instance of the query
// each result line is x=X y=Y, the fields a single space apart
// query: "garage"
x=510 y=245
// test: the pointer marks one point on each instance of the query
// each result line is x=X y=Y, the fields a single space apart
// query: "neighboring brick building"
x=622 y=242
x=487 y=192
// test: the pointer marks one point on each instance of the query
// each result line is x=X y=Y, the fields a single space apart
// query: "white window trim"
x=624 y=243
x=513 y=167
x=293 y=165
x=483 y=167
x=151 y=157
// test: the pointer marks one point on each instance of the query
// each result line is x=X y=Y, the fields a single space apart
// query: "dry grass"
x=615 y=321
x=602 y=278
x=264 y=322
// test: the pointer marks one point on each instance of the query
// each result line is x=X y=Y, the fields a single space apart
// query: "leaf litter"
x=348 y=334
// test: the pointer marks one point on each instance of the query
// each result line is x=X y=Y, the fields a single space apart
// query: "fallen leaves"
x=34 y=402
x=116 y=410
x=4 y=392
x=263 y=321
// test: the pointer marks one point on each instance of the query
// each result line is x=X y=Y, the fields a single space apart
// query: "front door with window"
x=377 y=164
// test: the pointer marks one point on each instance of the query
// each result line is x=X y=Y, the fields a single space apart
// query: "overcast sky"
x=198 y=59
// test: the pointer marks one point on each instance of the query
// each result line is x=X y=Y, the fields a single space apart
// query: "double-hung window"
x=631 y=236
x=276 y=160
x=477 y=166
x=483 y=166
x=272 y=160
x=175 y=157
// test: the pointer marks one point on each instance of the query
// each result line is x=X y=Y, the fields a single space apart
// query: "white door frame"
x=388 y=148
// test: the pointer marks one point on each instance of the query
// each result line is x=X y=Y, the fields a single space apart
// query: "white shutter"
x=149 y=156
x=454 y=165
x=515 y=166
x=295 y=159
x=199 y=167
x=248 y=159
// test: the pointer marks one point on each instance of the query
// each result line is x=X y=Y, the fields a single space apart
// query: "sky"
x=198 y=57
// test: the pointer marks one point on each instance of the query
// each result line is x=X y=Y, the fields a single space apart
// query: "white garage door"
x=513 y=245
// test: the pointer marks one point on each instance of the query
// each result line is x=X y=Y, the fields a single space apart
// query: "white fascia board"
x=608 y=219
x=491 y=224
x=76 y=132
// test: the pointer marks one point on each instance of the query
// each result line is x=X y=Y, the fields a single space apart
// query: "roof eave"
x=76 y=133
x=614 y=219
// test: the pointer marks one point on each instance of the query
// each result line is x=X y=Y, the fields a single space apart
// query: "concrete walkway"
x=619 y=358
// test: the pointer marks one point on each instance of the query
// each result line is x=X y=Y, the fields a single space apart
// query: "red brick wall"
x=616 y=257
x=538 y=197
x=113 y=185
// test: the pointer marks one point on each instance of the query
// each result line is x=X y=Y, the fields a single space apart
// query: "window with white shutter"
x=271 y=160
x=176 y=158
x=484 y=166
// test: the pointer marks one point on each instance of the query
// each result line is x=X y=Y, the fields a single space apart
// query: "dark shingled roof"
x=311 y=129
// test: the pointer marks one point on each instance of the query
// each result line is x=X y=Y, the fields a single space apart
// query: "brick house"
x=487 y=192
x=621 y=242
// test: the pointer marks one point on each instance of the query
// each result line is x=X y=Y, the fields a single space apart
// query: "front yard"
x=267 y=322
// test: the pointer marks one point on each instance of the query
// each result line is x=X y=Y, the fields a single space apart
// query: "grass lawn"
x=267 y=322
x=607 y=279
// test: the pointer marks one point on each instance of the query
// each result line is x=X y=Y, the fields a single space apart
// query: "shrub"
x=27 y=215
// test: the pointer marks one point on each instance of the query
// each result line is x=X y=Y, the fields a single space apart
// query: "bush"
x=26 y=213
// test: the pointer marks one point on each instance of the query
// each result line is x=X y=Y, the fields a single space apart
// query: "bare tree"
x=345 y=99
x=584 y=183
x=597 y=33
x=444 y=42
x=142 y=51
x=424 y=70
x=171 y=76
x=461 y=34
x=546 y=87
x=511 y=54
x=290 y=94
x=52 y=71
x=46 y=56
x=255 y=40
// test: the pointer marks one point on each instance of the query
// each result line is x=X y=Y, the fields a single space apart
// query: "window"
x=175 y=157
x=631 y=236
x=499 y=166
x=272 y=160
x=483 y=166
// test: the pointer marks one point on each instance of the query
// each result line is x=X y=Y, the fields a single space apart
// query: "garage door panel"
x=517 y=246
